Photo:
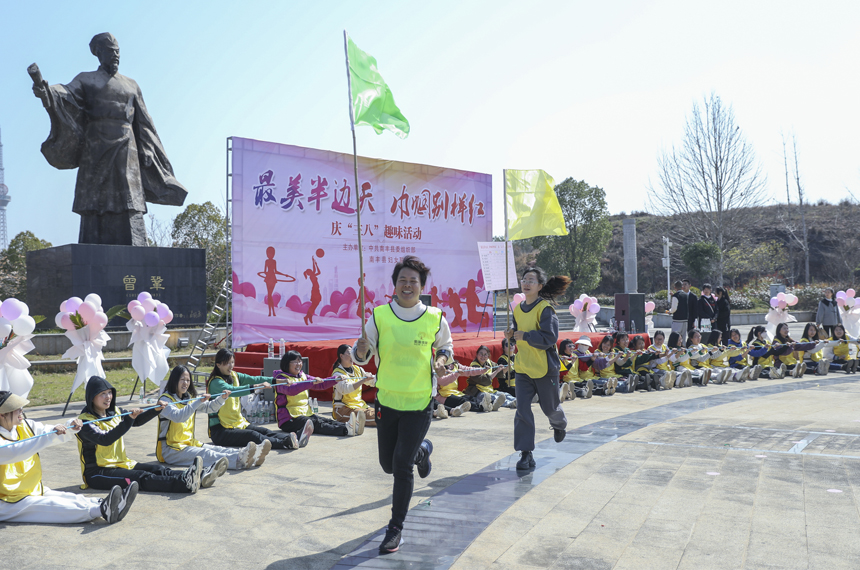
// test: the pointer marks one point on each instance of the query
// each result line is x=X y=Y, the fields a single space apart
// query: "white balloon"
x=94 y=299
x=5 y=328
x=24 y=325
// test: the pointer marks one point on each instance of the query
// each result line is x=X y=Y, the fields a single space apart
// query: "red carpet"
x=322 y=355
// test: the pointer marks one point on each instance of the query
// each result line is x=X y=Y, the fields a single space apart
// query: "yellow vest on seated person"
x=111 y=456
x=175 y=435
x=352 y=400
x=22 y=478
x=230 y=414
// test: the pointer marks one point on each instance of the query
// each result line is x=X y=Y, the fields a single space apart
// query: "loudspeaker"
x=630 y=310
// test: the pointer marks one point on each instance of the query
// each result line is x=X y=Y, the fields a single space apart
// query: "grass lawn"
x=53 y=388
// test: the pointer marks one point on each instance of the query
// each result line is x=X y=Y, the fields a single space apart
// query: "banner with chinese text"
x=295 y=240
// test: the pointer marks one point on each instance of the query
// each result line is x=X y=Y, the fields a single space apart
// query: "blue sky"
x=592 y=90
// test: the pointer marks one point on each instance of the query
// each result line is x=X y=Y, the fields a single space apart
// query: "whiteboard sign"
x=492 y=254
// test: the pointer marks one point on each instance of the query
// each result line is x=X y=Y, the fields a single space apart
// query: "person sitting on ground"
x=347 y=392
x=840 y=345
x=697 y=353
x=570 y=371
x=104 y=463
x=719 y=360
x=177 y=444
x=484 y=382
x=792 y=359
x=678 y=357
x=739 y=357
x=587 y=376
x=603 y=364
x=24 y=498
x=762 y=354
x=661 y=367
x=644 y=362
x=813 y=359
x=452 y=398
x=625 y=363
x=291 y=401
x=508 y=379
x=228 y=427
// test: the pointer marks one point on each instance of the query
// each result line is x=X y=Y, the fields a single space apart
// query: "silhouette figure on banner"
x=473 y=303
x=368 y=298
x=454 y=303
x=316 y=297
x=270 y=278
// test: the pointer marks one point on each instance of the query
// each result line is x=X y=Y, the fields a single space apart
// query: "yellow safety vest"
x=111 y=456
x=230 y=414
x=510 y=373
x=22 y=478
x=531 y=361
x=572 y=368
x=404 y=379
x=176 y=435
x=298 y=405
x=816 y=356
x=488 y=389
x=352 y=399
x=842 y=351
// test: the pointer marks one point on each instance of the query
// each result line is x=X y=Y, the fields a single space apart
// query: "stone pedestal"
x=117 y=273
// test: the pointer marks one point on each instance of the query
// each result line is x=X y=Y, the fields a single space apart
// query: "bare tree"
x=158 y=232
x=711 y=180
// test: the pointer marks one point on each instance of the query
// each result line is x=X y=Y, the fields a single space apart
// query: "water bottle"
x=315 y=405
x=142 y=394
x=281 y=350
x=621 y=326
x=271 y=348
x=612 y=323
x=633 y=327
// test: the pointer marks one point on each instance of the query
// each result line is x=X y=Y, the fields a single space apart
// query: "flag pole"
x=355 y=172
x=507 y=284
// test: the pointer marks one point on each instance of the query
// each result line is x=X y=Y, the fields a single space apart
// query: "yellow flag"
x=533 y=208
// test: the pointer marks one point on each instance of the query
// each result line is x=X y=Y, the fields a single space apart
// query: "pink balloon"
x=592 y=299
x=782 y=304
x=101 y=320
x=151 y=319
x=840 y=301
x=132 y=304
x=572 y=310
x=593 y=308
x=794 y=301
x=774 y=302
x=162 y=310
x=10 y=309
x=144 y=296
x=519 y=298
x=649 y=306
x=780 y=296
x=63 y=308
x=578 y=304
x=66 y=322
x=168 y=318
x=137 y=313
x=148 y=304
x=73 y=303
x=850 y=293
x=87 y=311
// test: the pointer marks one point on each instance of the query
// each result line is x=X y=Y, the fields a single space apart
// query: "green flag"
x=372 y=101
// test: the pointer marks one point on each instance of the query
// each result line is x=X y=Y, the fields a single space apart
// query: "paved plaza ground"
x=757 y=475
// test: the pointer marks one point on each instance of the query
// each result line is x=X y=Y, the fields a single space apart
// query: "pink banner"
x=295 y=240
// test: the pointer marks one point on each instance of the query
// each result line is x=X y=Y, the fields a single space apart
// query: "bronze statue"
x=100 y=125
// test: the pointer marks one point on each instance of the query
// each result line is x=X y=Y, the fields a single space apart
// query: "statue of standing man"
x=100 y=125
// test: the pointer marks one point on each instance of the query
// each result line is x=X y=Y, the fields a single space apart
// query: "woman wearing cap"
x=23 y=496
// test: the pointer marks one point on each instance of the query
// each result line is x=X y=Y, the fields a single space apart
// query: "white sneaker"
x=362 y=419
x=498 y=402
x=486 y=402
x=782 y=370
x=440 y=412
x=460 y=410
x=823 y=367
x=211 y=473
x=246 y=456
x=262 y=451
x=563 y=392
x=351 y=424
x=802 y=367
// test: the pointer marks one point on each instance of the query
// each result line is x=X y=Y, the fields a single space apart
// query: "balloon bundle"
x=783 y=300
x=850 y=311
x=16 y=330
x=585 y=310
x=649 y=320
x=15 y=320
x=846 y=300
x=84 y=321
x=149 y=311
x=76 y=314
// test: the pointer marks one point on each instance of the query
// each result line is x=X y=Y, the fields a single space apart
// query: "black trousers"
x=322 y=426
x=454 y=401
x=226 y=437
x=152 y=477
x=399 y=435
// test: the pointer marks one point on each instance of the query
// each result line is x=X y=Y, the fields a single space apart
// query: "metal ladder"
x=207 y=335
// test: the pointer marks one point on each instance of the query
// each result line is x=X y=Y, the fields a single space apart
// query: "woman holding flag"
x=408 y=340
